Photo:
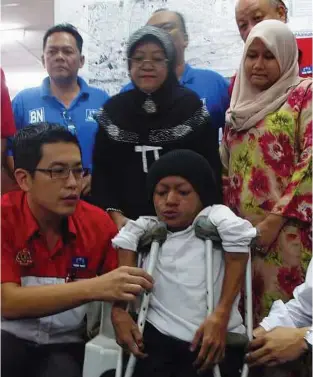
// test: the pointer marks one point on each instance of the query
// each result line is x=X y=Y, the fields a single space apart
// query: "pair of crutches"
x=206 y=231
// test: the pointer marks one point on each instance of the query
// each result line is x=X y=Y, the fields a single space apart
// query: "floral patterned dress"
x=268 y=169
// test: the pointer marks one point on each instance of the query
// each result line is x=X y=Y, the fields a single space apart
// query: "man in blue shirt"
x=63 y=97
x=211 y=87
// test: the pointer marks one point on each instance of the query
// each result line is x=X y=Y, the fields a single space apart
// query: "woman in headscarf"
x=138 y=126
x=267 y=160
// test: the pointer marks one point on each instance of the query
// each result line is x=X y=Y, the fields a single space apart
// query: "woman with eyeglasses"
x=138 y=126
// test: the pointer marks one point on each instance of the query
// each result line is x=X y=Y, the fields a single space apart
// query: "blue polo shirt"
x=210 y=86
x=35 y=105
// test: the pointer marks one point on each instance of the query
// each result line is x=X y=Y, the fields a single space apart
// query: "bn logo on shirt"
x=37 y=115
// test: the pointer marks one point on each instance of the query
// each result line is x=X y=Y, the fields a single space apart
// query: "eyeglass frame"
x=153 y=63
x=84 y=172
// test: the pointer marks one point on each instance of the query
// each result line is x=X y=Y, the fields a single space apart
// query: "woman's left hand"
x=212 y=337
x=269 y=230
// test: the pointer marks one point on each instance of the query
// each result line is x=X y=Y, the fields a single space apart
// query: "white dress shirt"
x=295 y=313
x=178 y=300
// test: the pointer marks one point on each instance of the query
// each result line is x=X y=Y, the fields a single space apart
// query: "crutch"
x=248 y=310
x=158 y=236
x=204 y=231
x=207 y=231
x=119 y=367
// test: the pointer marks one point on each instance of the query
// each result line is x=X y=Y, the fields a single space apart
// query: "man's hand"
x=86 y=185
x=277 y=347
x=212 y=335
x=123 y=284
x=127 y=332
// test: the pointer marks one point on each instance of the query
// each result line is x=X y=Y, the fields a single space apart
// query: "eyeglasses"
x=69 y=122
x=155 y=62
x=64 y=173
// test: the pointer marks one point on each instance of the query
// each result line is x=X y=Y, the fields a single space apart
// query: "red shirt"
x=88 y=234
x=84 y=251
x=7 y=120
x=231 y=85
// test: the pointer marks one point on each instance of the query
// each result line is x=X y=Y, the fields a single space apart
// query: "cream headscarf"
x=249 y=105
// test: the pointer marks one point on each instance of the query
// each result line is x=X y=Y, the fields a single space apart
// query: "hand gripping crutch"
x=158 y=236
x=207 y=231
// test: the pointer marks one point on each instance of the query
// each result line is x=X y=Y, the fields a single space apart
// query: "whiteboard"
x=214 y=40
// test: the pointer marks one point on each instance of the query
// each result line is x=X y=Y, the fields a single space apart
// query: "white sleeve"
x=235 y=232
x=296 y=312
x=129 y=236
x=278 y=316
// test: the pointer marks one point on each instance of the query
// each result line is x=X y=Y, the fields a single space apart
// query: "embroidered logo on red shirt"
x=24 y=258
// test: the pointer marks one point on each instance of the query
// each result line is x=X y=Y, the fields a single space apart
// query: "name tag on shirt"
x=79 y=262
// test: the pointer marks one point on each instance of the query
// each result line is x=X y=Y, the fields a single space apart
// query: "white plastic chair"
x=101 y=352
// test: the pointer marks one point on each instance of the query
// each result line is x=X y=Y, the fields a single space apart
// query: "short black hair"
x=64 y=28
x=28 y=142
x=180 y=17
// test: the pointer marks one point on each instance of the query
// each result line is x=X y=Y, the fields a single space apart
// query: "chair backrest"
x=93 y=318
x=106 y=327
x=99 y=319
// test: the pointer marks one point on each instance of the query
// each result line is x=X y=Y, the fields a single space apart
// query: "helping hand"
x=123 y=284
x=268 y=230
x=277 y=347
x=119 y=219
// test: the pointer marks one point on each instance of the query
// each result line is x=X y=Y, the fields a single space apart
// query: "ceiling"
x=20 y=59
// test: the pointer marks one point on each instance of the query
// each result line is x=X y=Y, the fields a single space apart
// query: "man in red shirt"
x=55 y=250
x=7 y=130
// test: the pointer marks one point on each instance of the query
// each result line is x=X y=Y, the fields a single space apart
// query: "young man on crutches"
x=180 y=339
